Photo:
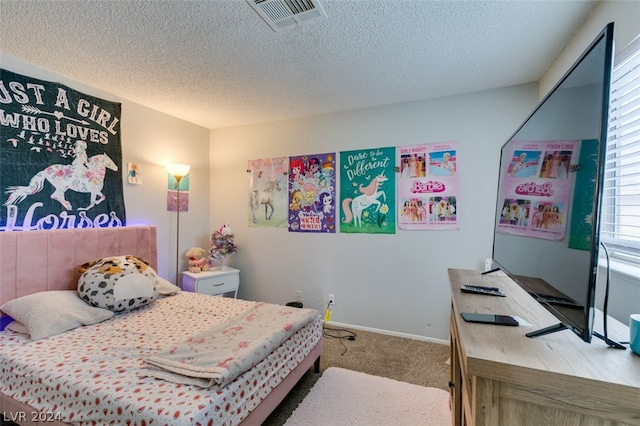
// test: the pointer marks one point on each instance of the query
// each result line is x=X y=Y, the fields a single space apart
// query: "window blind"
x=620 y=218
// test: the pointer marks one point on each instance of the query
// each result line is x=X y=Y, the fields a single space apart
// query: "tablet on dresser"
x=489 y=319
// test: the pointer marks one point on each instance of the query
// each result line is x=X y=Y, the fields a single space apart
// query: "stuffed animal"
x=197 y=260
x=118 y=283
x=226 y=230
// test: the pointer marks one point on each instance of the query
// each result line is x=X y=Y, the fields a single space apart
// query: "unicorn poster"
x=536 y=189
x=312 y=193
x=367 y=191
x=428 y=186
x=267 y=192
x=60 y=157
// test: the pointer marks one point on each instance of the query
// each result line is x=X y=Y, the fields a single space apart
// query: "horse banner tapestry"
x=312 y=193
x=60 y=155
x=428 y=186
x=367 y=191
x=267 y=199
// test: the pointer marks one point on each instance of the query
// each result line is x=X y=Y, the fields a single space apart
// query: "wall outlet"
x=332 y=299
x=488 y=264
x=299 y=296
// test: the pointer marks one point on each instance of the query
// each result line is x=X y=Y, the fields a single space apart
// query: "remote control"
x=478 y=289
x=560 y=301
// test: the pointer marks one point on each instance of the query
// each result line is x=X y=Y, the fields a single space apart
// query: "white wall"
x=398 y=282
x=625 y=14
x=153 y=139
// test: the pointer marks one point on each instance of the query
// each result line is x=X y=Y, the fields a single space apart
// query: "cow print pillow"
x=119 y=283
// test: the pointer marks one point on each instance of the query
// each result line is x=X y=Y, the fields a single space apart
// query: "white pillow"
x=17 y=327
x=165 y=288
x=52 y=312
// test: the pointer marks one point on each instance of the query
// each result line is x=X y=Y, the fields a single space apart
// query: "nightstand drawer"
x=218 y=284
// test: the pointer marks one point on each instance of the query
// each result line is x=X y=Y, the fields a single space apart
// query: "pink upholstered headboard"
x=33 y=261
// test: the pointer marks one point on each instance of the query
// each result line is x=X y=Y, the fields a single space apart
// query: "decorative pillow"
x=165 y=288
x=17 y=327
x=119 y=283
x=49 y=313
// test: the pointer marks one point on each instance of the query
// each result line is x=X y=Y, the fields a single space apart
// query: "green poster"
x=580 y=236
x=367 y=191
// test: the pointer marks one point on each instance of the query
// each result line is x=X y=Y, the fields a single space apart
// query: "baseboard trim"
x=388 y=332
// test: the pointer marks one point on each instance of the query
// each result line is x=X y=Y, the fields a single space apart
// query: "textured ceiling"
x=216 y=63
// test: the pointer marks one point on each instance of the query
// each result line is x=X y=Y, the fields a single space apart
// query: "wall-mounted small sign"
x=134 y=174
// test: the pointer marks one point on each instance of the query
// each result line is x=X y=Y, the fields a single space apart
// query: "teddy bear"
x=197 y=260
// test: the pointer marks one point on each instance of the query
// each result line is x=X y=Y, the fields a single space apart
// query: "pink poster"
x=428 y=186
x=536 y=189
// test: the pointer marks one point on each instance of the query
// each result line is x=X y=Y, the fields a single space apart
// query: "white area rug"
x=345 y=397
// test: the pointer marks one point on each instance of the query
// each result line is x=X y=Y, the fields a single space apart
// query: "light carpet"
x=345 y=397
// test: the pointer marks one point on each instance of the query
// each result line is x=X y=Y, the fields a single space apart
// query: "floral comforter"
x=218 y=355
x=91 y=375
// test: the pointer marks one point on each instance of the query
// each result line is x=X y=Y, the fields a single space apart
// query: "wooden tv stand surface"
x=501 y=377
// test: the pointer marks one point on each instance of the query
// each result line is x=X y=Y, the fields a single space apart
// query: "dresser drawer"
x=218 y=284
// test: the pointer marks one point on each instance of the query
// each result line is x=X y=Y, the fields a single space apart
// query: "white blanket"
x=218 y=355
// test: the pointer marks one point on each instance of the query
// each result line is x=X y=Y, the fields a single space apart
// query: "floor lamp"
x=178 y=171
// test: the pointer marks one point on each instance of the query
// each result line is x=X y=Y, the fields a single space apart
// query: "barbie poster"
x=312 y=193
x=428 y=186
x=367 y=191
x=536 y=189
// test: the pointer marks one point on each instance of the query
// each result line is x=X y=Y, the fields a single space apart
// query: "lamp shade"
x=178 y=170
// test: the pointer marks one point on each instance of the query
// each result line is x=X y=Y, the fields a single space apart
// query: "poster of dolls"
x=428 y=186
x=536 y=189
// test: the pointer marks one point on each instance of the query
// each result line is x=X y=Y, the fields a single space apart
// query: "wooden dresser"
x=501 y=377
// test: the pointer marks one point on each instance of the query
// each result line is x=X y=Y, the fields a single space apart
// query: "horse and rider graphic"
x=84 y=175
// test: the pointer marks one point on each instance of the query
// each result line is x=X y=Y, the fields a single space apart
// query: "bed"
x=94 y=374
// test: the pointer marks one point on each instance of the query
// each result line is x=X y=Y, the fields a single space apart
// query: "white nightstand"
x=223 y=283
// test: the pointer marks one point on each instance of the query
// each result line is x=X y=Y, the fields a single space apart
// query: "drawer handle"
x=218 y=285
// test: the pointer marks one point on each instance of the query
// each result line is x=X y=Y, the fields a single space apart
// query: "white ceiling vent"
x=281 y=14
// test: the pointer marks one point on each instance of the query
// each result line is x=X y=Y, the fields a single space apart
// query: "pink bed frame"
x=33 y=261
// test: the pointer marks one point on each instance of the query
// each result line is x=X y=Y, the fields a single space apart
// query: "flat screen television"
x=546 y=234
